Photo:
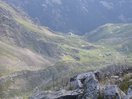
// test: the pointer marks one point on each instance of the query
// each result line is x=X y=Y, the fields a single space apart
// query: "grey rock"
x=79 y=79
x=129 y=93
x=115 y=77
x=87 y=87
x=113 y=92
x=91 y=88
x=39 y=95
x=128 y=97
x=63 y=94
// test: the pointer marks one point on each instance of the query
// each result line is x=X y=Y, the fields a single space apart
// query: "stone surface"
x=63 y=94
x=81 y=78
x=91 y=88
x=78 y=81
x=129 y=93
x=87 y=87
x=113 y=92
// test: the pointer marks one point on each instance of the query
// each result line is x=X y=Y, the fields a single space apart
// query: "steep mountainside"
x=23 y=44
x=31 y=45
x=118 y=36
x=77 y=16
x=32 y=57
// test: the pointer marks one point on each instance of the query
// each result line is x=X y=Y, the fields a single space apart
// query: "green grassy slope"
x=116 y=36
x=20 y=33
x=117 y=33
x=28 y=46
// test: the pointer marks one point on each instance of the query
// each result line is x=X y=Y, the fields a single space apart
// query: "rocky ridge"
x=88 y=86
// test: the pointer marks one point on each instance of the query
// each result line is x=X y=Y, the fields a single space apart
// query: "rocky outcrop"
x=78 y=81
x=82 y=77
x=113 y=92
x=91 y=88
x=87 y=87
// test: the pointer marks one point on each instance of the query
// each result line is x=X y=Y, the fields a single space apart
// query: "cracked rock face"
x=91 y=88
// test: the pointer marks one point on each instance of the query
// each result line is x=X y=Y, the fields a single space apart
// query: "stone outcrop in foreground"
x=87 y=86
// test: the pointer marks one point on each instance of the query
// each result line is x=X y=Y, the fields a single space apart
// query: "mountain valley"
x=33 y=56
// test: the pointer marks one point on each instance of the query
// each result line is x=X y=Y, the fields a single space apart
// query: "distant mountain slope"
x=31 y=56
x=118 y=36
x=20 y=35
x=77 y=16
x=14 y=39
x=25 y=46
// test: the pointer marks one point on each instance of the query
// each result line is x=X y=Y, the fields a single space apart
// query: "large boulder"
x=91 y=88
x=82 y=77
x=113 y=92
x=129 y=92
x=78 y=81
